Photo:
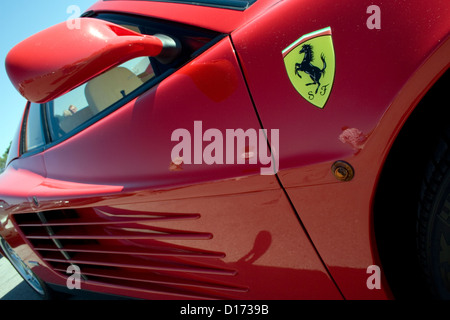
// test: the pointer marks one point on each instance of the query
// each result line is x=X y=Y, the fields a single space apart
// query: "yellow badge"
x=310 y=65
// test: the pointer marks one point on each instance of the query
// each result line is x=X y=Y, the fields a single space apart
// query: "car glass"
x=33 y=136
x=76 y=107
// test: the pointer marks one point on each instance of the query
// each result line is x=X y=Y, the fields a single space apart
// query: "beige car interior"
x=102 y=92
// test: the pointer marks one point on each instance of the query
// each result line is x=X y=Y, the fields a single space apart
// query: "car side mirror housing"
x=59 y=59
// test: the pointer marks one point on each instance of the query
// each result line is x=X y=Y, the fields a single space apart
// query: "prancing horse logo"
x=303 y=72
x=314 y=72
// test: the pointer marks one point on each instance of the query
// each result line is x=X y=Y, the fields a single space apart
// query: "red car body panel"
x=225 y=231
x=372 y=93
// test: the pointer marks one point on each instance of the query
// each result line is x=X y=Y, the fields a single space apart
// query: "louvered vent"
x=126 y=249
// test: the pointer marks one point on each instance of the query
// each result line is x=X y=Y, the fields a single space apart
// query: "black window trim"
x=239 y=5
x=23 y=130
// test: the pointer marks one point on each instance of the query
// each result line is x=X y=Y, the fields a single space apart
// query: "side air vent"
x=127 y=249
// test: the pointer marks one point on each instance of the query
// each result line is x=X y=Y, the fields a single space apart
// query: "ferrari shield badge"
x=310 y=65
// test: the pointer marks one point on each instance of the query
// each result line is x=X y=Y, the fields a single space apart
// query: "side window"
x=33 y=132
x=76 y=107
x=92 y=100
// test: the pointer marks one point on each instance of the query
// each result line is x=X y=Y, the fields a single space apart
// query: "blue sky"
x=21 y=19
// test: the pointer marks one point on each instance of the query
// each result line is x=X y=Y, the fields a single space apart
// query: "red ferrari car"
x=234 y=149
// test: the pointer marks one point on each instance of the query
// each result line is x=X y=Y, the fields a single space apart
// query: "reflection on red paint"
x=217 y=79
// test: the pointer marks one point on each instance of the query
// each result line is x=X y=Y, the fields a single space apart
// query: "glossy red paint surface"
x=371 y=69
x=225 y=231
x=364 y=90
